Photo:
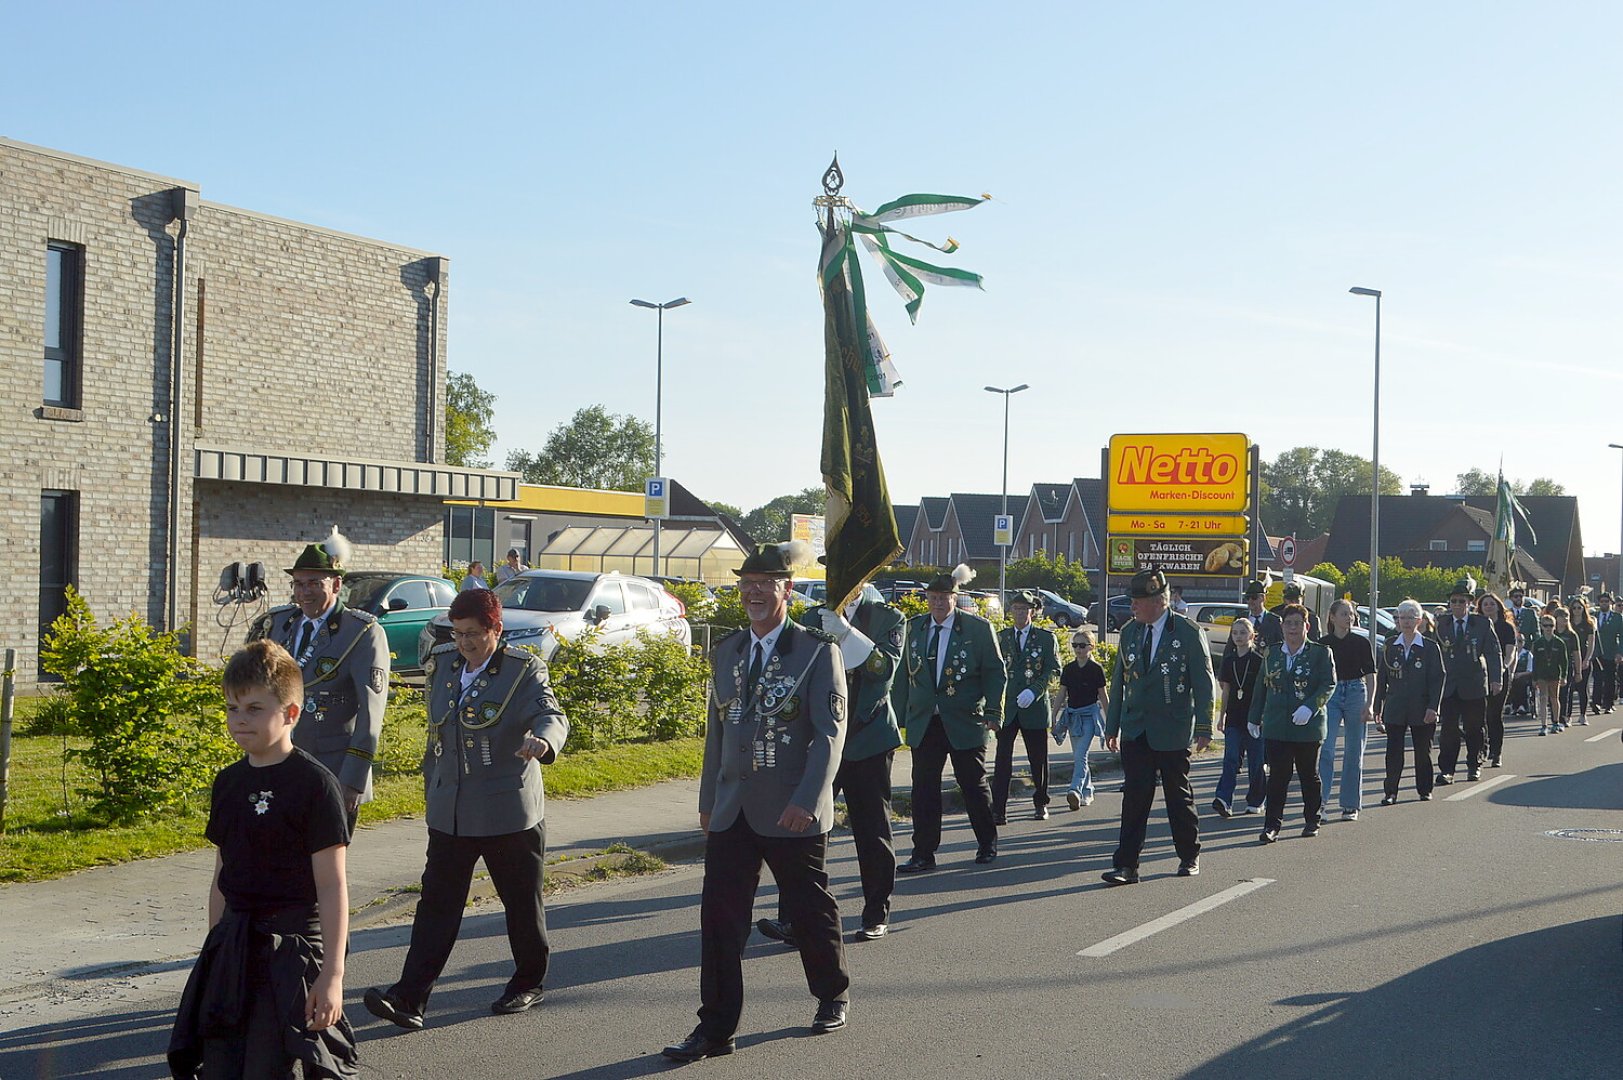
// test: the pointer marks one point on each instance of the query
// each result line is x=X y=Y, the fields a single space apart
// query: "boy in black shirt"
x=262 y=995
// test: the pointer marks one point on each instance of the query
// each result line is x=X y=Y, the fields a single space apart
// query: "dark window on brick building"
x=58 y=555
x=64 y=323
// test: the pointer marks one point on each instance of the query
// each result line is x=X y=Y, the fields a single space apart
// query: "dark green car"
x=403 y=605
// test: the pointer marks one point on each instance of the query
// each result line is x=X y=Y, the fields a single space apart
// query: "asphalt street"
x=1475 y=936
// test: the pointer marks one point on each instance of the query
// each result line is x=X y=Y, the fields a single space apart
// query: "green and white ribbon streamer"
x=907 y=275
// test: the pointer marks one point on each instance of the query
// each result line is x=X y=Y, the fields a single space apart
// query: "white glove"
x=1025 y=697
x=1254 y=730
x=836 y=624
x=1301 y=716
x=855 y=646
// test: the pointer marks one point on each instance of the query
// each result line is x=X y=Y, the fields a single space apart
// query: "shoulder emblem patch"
x=836 y=705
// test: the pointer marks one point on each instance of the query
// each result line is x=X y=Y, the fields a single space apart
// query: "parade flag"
x=1499 y=569
x=860 y=535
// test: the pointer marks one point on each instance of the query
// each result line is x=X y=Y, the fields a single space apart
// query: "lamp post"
x=1003 y=551
x=1618 y=446
x=659 y=394
x=1375 y=489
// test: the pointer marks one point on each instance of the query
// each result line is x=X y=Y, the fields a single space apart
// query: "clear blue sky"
x=1184 y=193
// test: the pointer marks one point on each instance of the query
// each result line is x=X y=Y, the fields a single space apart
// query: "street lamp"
x=1375 y=489
x=1003 y=551
x=1617 y=446
x=659 y=394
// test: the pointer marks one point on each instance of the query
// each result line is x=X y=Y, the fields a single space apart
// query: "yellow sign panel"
x=1197 y=556
x=1179 y=474
x=1180 y=524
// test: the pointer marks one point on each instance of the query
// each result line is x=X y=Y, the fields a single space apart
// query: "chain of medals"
x=1241 y=674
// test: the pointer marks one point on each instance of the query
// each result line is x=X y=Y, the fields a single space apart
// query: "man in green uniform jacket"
x=1033 y=663
x=949 y=696
x=1608 y=647
x=1160 y=703
x=1288 y=710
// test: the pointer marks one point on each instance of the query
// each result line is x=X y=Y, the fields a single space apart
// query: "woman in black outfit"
x=1493 y=609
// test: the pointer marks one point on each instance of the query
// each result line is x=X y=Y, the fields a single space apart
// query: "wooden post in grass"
x=6 y=696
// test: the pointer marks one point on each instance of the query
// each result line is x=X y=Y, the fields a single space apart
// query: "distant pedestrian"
x=1408 y=692
x=1472 y=671
x=474 y=578
x=1550 y=663
x=1608 y=650
x=1179 y=604
x=1241 y=745
x=1297 y=679
x=1160 y=704
x=1082 y=718
x=1032 y=659
x=1265 y=629
x=513 y=567
x=1583 y=625
x=1570 y=679
x=1490 y=607
x=1348 y=712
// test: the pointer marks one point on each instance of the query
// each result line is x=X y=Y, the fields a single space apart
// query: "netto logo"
x=1193 y=466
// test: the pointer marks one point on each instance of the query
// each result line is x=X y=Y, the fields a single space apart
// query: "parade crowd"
x=798 y=713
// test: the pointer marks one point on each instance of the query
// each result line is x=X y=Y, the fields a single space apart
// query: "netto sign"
x=1179 y=473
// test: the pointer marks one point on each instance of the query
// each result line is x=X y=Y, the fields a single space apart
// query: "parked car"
x=540 y=606
x=1216 y=619
x=1061 y=610
x=403 y=604
x=968 y=600
x=897 y=588
x=816 y=590
x=1119 y=612
x=1388 y=624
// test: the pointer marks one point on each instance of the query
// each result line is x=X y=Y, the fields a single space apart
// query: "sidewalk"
x=122 y=920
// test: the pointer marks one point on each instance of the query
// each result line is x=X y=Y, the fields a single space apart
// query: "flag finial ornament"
x=833 y=177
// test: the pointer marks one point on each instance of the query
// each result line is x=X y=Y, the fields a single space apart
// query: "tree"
x=769 y=523
x=1053 y=572
x=1301 y=487
x=594 y=449
x=1543 y=485
x=734 y=512
x=468 y=411
x=1476 y=482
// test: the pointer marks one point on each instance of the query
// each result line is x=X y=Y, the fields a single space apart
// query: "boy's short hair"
x=264 y=665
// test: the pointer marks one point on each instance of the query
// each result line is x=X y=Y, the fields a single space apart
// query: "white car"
x=1216 y=619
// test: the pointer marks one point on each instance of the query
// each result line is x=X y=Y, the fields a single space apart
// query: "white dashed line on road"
x=1480 y=787
x=1603 y=735
x=1183 y=914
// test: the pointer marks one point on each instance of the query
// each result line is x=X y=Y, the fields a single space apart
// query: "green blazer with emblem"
x=1281 y=690
x=346 y=686
x=1410 y=682
x=1033 y=668
x=779 y=744
x=475 y=783
x=971 y=688
x=1172 y=703
x=872 y=728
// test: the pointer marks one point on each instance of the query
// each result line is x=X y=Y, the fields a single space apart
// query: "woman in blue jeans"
x=1348 y=710
x=1083 y=716
x=1237 y=676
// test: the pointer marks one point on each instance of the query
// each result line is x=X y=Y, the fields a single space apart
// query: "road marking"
x=1479 y=788
x=1183 y=914
x=1603 y=735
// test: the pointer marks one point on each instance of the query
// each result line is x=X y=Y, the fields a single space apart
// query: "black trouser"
x=969 y=768
x=1576 y=687
x=732 y=872
x=1036 y=740
x=1283 y=756
x=1459 y=715
x=1605 y=671
x=1421 y=735
x=1139 y=765
x=866 y=784
x=1494 y=717
x=514 y=861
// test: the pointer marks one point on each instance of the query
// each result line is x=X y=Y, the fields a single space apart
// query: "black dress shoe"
x=1268 y=836
x=916 y=865
x=397 y=1012
x=986 y=855
x=517 y=1002
x=776 y=930
x=698 y=1046
x=830 y=1017
x=999 y=820
x=1121 y=875
x=1189 y=868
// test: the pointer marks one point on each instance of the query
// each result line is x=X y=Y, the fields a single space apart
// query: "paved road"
x=1456 y=938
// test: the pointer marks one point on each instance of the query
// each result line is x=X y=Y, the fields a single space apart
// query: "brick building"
x=152 y=434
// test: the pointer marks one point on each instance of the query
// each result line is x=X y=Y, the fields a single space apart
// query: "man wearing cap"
x=1608 y=646
x=774 y=734
x=1033 y=663
x=949 y=697
x=1472 y=670
x=1160 y=703
x=869 y=633
x=1524 y=613
x=1269 y=630
x=1293 y=595
x=345 y=659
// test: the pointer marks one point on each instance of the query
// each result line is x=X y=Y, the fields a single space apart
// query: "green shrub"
x=672 y=680
x=151 y=713
x=52 y=715
x=700 y=604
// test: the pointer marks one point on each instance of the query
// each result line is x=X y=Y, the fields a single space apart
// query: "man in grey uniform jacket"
x=492 y=722
x=774 y=735
x=344 y=656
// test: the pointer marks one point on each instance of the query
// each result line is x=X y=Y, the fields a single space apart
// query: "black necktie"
x=1459 y=632
x=934 y=651
x=755 y=669
x=305 y=630
x=1149 y=641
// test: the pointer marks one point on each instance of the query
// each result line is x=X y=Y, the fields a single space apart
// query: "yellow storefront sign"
x=1184 y=475
x=1179 y=524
